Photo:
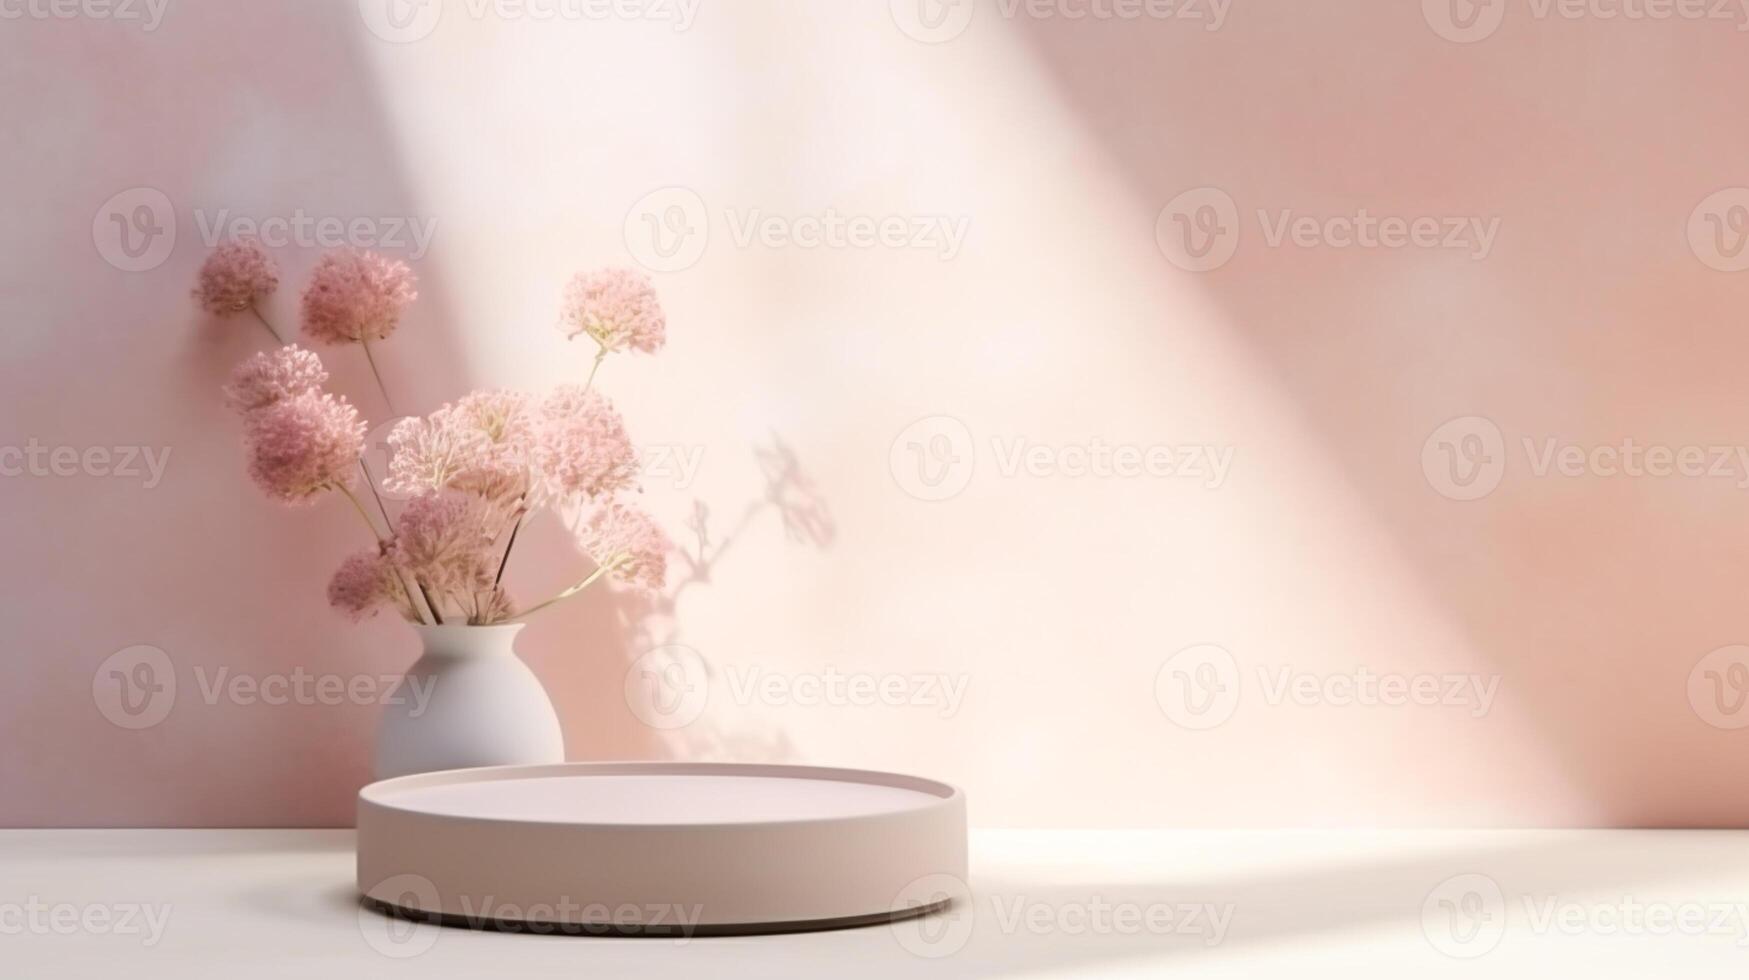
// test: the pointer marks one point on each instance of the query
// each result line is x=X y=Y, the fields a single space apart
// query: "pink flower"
x=303 y=444
x=500 y=417
x=444 y=540
x=356 y=295
x=425 y=453
x=364 y=583
x=628 y=544
x=480 y=444
x=268 y=377
x=615 y=307
x=236 y=276
x=500 y=431
x=581 y=446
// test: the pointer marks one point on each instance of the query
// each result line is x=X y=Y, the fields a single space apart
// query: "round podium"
x=660 y=849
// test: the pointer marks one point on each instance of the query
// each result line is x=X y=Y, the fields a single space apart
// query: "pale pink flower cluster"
x=581 y=447
x=425 y=453
x=268 y=377
x=302 y=445
x=236 y=276
x=500 y=427
x=480 y=444
x=354 y=296
x=444 y=539
x=471 y=471
x=474 y=468
x=300 y=440
x=617 y=308
x=626 y=542
x=366 y=582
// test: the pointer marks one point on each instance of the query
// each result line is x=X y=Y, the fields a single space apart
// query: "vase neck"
x=469 y=641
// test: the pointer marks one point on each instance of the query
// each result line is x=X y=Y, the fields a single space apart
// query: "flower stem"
x=430 y=602
x=383 y=542
x=371 y=482
x=372 y=361
x=263 y=321
x=362 y=513
x=601 y=570
x=504 y=562
x=600 y=355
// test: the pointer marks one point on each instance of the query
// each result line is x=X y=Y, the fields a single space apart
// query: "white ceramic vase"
x=468 y=701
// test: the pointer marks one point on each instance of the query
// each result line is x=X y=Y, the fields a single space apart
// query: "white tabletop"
x=193 y=904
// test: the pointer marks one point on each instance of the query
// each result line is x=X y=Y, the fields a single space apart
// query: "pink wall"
x=1031 y=622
